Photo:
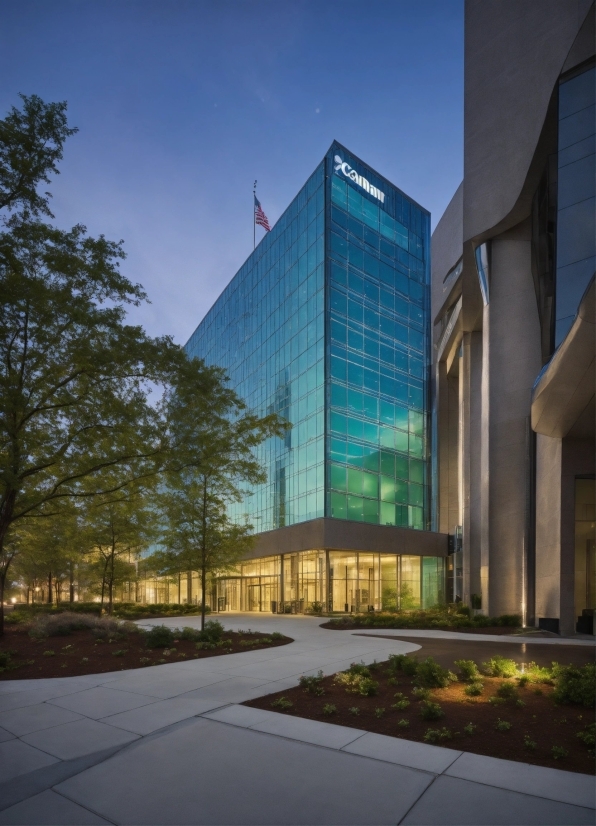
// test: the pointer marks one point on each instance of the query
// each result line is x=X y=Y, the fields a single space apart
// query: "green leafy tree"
x=118 y=527
x=211 y=460
x=74 y=376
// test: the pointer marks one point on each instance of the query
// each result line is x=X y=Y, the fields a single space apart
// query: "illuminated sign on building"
x=342 y=166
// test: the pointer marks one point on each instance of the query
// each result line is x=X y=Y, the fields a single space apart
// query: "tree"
x=118 y=527
x=74 y=377
x=210 y=458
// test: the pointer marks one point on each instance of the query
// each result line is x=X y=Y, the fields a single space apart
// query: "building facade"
x=513 y=309
x=327 y=324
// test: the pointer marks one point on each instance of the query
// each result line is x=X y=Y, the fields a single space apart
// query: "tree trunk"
x=204 y=591
x=179 y=600
x=189 y=587
x=71 y=582
x=50 y=591
x=111 y=582
x=2 y=582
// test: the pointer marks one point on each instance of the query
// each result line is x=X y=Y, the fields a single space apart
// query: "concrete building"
x=327 y=323
x=512 y=307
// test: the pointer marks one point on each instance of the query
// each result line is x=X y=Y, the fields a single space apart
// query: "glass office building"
x=327 y=324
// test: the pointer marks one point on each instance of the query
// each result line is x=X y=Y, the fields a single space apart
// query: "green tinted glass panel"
x=416 y=423
x=370 y=510
x=416 y=495
x=401 y=467
x=338 y=477
x=338 y=506
x=371 y=458
x=401 y=417
x=401 y=441
x=355 y=481
x=415 y=519
x=387 y=489
x=387 y=463
x=370 y=432
x=338 y=395
x=355 y=428
x=401 y=492
x=370 y=485
x=355 y=508
x=386 y=437
x=387 y=514
x=417 y=471
x=386 y=412
x=338 y=422
x=416 y=446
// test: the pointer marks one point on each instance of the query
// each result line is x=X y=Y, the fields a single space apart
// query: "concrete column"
x=471 y=413
x=514 y=363
x=548 y=525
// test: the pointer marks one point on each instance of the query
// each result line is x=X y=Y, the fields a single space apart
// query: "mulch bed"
x=82 y=653
x=540 y=720
x=499 y=630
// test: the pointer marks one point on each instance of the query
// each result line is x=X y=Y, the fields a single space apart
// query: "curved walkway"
x=171 y=745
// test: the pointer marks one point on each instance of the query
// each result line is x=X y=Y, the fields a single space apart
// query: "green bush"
x=559 y=753
x=401 y=703
x=499 y=666
x=212 y=632
x=436 y=735
x=329 y=709
x=588 y=735
x=189 y=634
x=474 y=689
x=282 y=702
x=276 y=635
x=6 y=662
x=401 y=662
x=439 y=617
x=313 y=684
x=470 y=728
x=421 y=693
x=403 y=723
x=62 y=624
x=160 y=636
x=430 y=710
x=574 y=684
x=432 y=675
x=468 y=669
x=502 y=725
x=508 y=691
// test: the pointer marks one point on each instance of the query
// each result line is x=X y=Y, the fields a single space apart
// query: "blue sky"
x=181 y=104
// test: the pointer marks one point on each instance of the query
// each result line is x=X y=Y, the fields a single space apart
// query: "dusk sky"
x=182 y=104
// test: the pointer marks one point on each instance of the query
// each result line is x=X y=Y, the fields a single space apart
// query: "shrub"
x=401 y=662
x=379 y=712
x=160 y=636
x=499 y=666
x=356 y=683
x=190 y=634
x=119 y=653
x=430 y=710
x=61 y=625
x=496 y=701
x=367 y=687
x=359 y=669
x=520 y=703
x=508 y=620
x=468 y=670
x=537 y=674
x=474 y=689
x=313 y=684
x=470 y=728
x=317 y=608
x=507 y=691
x=574 y=685
x=588 y=735
x=529 y=744
x=436 y=735
x=282 y=702
x=49 y=653
x=329 y=709
x=401 y=703
x=502 y=725
x=429 y=673
x=523 y=680
x=5 y=661
x=421 y=693
x=276 y=635
x=558 y=753
x=403 y=723
x=354 y=710
x=212 y=632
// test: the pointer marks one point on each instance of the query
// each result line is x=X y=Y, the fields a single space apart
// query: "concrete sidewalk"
x=171 y=745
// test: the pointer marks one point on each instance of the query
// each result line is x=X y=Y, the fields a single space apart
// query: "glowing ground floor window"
x=312 y=581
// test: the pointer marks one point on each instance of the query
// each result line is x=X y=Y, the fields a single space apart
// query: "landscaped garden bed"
x=543 y=716
x=24 y=612
x=67 y=645
x=438 y=619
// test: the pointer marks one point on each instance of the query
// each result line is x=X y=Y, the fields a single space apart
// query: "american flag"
x=260 y=217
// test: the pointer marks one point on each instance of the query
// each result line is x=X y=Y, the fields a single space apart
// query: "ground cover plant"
x=71 y=644
x=446 y=618
x=541 y=715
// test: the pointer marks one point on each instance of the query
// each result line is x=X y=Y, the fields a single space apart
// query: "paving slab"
x=175 y=779
x=308 y=731
x=18 y=758
x=404 y=752
x=150 y=718
x=5 y=735
x=169 y=683
x=100 y=701
x=554 y=784
x=236 y=715
x=21 y=699
x=76 y=739
x=49 y=809
x=232 y=690
x=35 y=718
x=454 y=802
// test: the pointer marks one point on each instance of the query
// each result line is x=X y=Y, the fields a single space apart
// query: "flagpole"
x=254 y=222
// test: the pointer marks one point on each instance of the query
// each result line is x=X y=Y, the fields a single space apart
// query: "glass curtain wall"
x=378 y=341
x=576 y=239
x=267 y=331
x=335 y=580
